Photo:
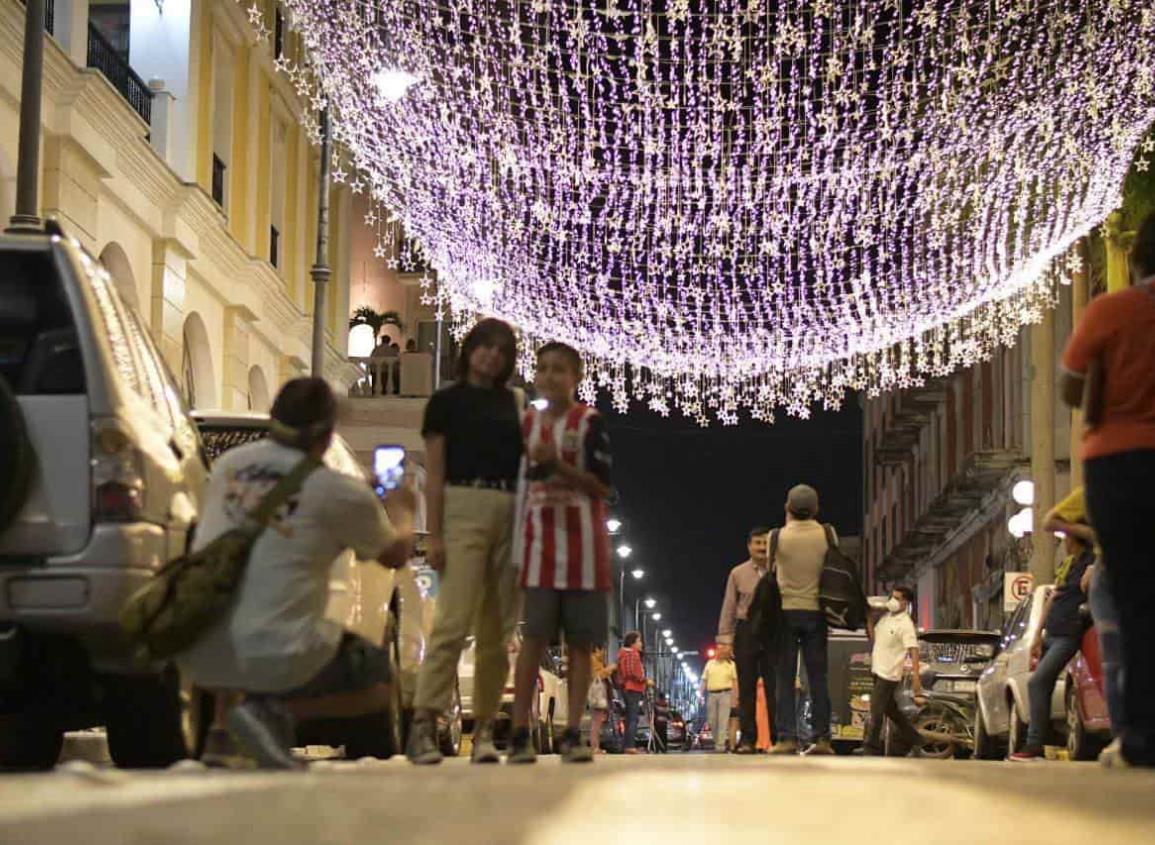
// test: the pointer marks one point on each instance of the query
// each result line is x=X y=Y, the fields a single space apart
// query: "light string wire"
x=741 y=205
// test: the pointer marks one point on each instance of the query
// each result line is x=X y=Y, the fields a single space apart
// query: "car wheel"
x=30 y=741
x=380 y=734
x=1017 y=739
x=450 y=730
x=145 y=722
x=1080 y=744
x=985 y=746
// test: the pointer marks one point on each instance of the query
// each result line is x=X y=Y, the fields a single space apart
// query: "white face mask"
x=893 y=605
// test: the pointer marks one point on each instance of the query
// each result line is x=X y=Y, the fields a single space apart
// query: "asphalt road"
x=674 y=799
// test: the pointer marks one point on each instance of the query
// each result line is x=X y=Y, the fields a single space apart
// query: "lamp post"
x=27 y=218
x=321 y=272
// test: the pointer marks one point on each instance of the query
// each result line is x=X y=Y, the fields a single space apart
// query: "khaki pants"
x=478 y=594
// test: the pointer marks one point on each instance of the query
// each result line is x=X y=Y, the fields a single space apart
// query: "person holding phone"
x=473 y=450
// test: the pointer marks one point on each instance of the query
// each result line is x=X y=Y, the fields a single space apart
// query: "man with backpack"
x=274 y=644
x=799 y=558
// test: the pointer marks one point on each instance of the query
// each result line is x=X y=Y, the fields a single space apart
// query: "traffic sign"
x=1016 y=587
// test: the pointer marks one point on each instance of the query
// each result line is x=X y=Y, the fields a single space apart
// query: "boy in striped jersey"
x=563 y=545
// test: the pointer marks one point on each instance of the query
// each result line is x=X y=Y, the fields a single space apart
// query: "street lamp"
x=624 y=551
x=638 y=574
x=650 y=603
x=613 y=525
x=667 y=633
x=657 y=617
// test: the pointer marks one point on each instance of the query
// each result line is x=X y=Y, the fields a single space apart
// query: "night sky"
x=688 y=497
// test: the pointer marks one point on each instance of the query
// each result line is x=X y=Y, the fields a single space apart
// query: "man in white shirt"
x=895 y=638
x=275 y=645
x=718 y=681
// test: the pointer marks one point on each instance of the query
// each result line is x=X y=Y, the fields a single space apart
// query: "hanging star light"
x=742 y=205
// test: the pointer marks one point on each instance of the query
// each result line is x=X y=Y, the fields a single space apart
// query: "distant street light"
x=638 y=574
x=1024 y=493
x=613 y=525
x=624 y=551
x=657 y=617
x=651 y=603
x=667 y=633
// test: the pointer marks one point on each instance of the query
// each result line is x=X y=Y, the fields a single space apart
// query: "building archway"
x=115 y=261
x=259 y=399
x=198 y=382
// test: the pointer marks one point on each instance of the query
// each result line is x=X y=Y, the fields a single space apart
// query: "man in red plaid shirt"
x=632 y=679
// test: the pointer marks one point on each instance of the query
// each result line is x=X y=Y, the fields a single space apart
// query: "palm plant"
x=376 y=320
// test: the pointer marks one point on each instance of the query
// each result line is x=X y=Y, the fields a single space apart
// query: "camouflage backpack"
x=170 y=613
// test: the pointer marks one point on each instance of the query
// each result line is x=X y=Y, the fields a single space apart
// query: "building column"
x=1117 y=242
x=70 y=29
x=1079 y=295
x=1042 y=419
x=72 y=185
x=167 y=309
x=238 y=326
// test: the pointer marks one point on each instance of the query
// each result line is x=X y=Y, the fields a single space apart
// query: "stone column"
x=1042 y=418
x=167 y=309
x=70 y=29
x=238 y=327
x=1118 y=242
x=160 y=128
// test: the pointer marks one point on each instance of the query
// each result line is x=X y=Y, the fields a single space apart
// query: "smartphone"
x=388 y=467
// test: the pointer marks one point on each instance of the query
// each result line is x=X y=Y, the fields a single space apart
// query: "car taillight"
x=117 y=475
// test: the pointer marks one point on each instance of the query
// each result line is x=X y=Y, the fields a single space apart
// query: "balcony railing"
x=408 y=374
x=103 y=57
x=218 y=186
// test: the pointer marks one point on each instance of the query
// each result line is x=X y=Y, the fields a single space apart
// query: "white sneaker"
x=1112 y=757
x=484 y=751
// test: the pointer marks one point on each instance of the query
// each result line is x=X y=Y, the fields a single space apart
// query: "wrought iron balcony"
x=102 y=56
x=914 y=409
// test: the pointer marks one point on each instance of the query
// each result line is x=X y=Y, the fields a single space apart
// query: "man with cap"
x=798 y=561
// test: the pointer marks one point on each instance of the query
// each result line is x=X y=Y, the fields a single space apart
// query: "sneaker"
x=785 y=748
x=422 y=748
x=822 y=748
x=484 y=751
x=259 y=728
x=1028 y=755
x=572 y=749
x=1112 y=757
x=521 y=747
x=745 y=748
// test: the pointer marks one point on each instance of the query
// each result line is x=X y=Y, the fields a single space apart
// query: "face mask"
x=893 y=605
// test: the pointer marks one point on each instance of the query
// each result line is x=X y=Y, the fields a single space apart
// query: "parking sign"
x=1016 y=587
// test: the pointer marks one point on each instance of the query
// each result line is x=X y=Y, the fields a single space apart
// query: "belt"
x=727 y=689
x=503 y=484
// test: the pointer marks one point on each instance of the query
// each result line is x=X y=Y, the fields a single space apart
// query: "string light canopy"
x=742 y=205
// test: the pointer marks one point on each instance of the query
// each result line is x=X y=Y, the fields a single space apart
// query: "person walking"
x=275 y=644
x=895 y=640
x=563 y=545
x=754 y=657
x=719 y=678
x=799 y=557
x=633 y=682
x=599 y=695
x=473 y=450
x=1115 y=339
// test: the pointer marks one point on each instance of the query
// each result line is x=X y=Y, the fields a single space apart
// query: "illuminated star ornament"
x=742 y=206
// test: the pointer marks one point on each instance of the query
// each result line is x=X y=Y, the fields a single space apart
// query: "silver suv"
x=101 y=475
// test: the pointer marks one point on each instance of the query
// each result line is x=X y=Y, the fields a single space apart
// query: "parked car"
x=1085 y=703
x=547 y=680
x=382 y=605
x=950 y=662
x=676 y=734
x=101 y=478
x=1001 y=717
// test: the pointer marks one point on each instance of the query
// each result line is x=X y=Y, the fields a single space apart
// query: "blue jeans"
x=805 y=631
x=1057 y=653
x=1123 y=512
x=1106 y=617
x=633 y=708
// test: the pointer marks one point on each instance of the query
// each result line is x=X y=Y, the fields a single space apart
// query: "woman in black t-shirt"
x=473 y=449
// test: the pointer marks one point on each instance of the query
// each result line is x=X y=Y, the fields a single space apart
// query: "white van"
x=101 y=476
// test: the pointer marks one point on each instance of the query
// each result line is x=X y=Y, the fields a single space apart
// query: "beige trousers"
x=478 y=594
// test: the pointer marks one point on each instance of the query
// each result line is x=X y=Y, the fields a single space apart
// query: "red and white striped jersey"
x=564 y=543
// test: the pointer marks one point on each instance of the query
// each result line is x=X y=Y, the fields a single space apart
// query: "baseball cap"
x=802 y=500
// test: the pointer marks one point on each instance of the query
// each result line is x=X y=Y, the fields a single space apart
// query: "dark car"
x=950 y=663
x=676 y=733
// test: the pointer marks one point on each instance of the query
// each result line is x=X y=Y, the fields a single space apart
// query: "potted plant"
x=376 y=320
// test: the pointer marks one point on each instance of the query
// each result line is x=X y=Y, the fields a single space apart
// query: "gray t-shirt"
x=276 y=637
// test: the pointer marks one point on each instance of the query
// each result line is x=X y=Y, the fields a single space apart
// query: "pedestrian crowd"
x=517 y=510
